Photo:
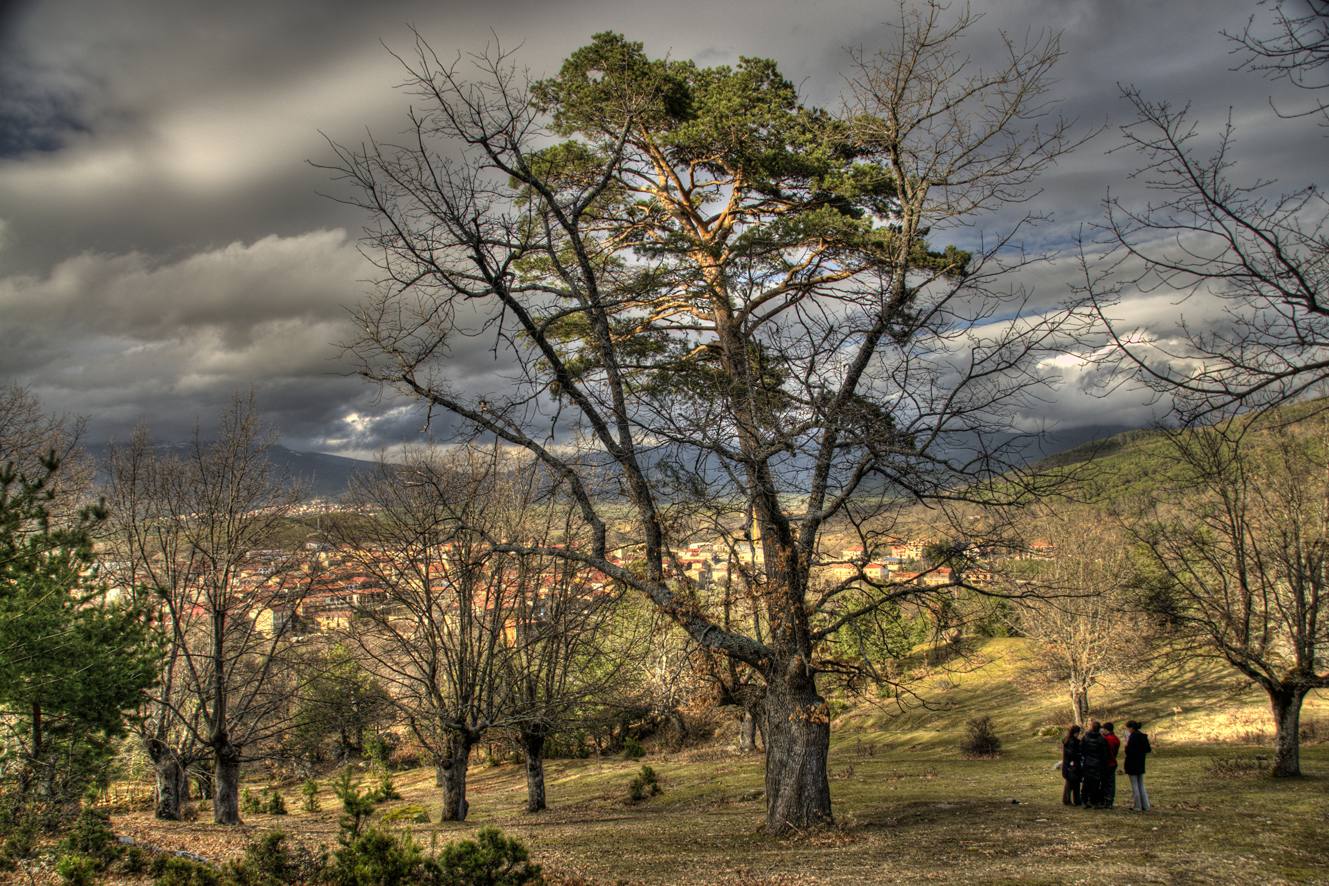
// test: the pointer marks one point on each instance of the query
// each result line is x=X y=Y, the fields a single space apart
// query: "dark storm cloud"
x=163 y=242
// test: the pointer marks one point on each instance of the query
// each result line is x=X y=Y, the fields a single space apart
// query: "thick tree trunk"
x=1286 y=704
x=453 y=768
x=747 y=733
x=172 y=787
x=798 y=739
x=533 y=744
x=226 y=784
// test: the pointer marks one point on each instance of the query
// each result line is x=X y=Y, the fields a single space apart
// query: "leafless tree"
x=1294 y=50
x=439 y=635
x=1258 y=251
x=195 y=528
x=1237 y=561
x=723 y=303
x=1085 y=626
x=563 y=629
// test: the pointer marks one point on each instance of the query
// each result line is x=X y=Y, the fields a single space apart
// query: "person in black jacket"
x=1094 y=752
x=1137 y=746
x=1070 y=767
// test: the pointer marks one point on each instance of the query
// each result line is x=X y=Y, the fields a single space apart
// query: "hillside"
x=1131 y=465
x=909 y=807
x=318 y=475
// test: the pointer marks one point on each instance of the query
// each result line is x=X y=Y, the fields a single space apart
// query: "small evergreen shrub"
x=268 y=861
x=385 y=790
x=250 y=802
x=357 y=806
x=980 y=738
x=134 y=861
x=379 y=749
x=309 y=791
x=77 y=870
x=632 y=749
x=644 y=784
x=378 y=857
x=91 y=837
x=175 y=871
x=274 y=805
x=491 y=859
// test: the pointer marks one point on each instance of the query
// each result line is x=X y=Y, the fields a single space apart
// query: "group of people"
x=1089 y=765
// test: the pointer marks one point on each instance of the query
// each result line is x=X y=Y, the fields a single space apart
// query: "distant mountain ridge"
x=318 y=475
x=321 y=475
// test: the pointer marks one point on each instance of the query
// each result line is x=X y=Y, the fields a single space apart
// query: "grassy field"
x=909 y=807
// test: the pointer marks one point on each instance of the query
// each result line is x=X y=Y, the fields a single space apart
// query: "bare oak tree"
x=715 y=298
x=439 y=635
x=197 y=529
x=1239 y=568
x=1083 y=622
x=1257 y=249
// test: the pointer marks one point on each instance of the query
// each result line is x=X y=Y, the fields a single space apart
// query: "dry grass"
x=909 y=808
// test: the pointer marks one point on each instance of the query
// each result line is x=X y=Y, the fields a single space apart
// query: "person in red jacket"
x=1110 y=769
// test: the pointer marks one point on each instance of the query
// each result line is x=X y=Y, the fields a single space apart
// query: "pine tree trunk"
x=1286 y=704
x=533 y=743
x=453 y=768
x=798 y=738
x=226 y=784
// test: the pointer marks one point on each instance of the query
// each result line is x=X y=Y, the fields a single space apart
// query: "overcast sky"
x=164 y=244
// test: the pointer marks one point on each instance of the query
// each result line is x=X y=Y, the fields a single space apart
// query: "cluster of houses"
x=327 y=586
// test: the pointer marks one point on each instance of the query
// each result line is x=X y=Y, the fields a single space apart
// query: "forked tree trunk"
x=798 y=739
x=453 y=769
x=533 y=744
x=1286 y=704
x=226 y=784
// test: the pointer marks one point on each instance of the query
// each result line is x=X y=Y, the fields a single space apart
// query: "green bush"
x=356 y=805
x=274 y=805
x=91 y=837
x=491 y=859
x=77 y=870
x=385 y=790
x=175 y=871
x=309 y=790
x=380 y=858
x=378 y=749
x=644 y=784
x=268 y=861
x=632 y=749
x=250 y=802
x=135 y=860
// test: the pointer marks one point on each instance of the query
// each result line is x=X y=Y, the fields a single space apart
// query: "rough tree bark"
x=172 y=781
x=798 y=740
x=453 y=768
x=226 y=782
x=1286 y=704
x=533 y=744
